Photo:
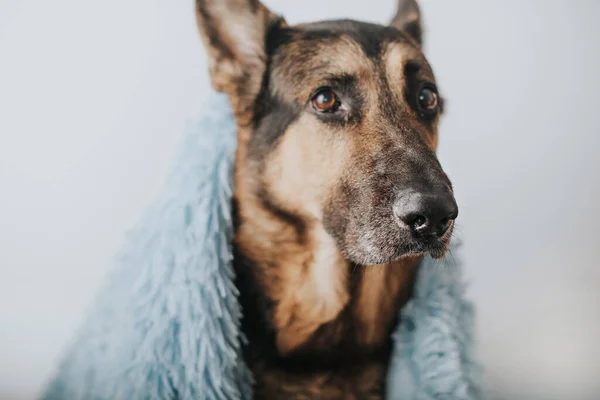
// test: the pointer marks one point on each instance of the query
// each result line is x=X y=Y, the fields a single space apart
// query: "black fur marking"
x=271 y=126
x=271 y=116
x=317 y=34
x=236 y=220
x=257 y=308
x=371 y=37
x=287 y=217
x=413 y=29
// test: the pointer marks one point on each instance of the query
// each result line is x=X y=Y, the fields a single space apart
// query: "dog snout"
x=426 y=214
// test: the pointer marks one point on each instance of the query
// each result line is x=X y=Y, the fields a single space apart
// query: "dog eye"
x=325 y=101
x=428 y=99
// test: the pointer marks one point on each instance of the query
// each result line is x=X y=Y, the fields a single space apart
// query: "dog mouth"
x=436 y=247
x=394 y=246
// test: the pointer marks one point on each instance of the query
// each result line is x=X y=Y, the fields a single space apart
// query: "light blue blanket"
x=167 y=324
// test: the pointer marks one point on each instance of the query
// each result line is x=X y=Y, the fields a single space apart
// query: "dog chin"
x=375 y=256
x=380 y=256
x=436 y=252
x=437 y=249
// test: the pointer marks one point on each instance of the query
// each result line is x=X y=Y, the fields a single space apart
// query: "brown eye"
x=428 y=99
x=325 y=101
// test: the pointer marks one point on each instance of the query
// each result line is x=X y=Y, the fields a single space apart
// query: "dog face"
x=337 y=126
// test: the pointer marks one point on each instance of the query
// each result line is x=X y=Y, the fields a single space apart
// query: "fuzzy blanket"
x=167 y=324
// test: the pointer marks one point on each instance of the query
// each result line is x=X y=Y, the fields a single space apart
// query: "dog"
x=338 y=190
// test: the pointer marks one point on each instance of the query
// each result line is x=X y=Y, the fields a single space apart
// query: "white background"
x=94 y=96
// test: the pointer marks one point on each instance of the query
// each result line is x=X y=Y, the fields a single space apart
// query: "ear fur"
x=408 y=20
x=234 y=33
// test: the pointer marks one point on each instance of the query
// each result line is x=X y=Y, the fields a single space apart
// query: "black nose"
x=426 y=214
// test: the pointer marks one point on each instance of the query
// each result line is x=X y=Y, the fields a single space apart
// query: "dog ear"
x=234 y=33
x=408 y=19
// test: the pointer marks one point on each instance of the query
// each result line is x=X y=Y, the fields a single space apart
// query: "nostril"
x=418 y=223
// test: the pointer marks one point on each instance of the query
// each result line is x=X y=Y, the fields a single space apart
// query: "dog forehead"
x=370 y=37
x=306 y=56
x=306 y=59
x=334 y=42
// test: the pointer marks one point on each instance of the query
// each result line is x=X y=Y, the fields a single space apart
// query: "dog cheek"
x=362 y=236
x=344 y=220
x=335 y=219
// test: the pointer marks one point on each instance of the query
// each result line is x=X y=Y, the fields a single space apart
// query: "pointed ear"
x=408 y=20
x=234 y=33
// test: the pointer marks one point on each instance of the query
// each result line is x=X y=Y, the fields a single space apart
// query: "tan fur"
x=395 y=57
x=305 y=164
x=311 y=295
x=382 y=288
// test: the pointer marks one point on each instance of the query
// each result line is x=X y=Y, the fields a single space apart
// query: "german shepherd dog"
x=338 y=190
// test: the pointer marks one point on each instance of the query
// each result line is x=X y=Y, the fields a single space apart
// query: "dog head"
x=337 y=125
